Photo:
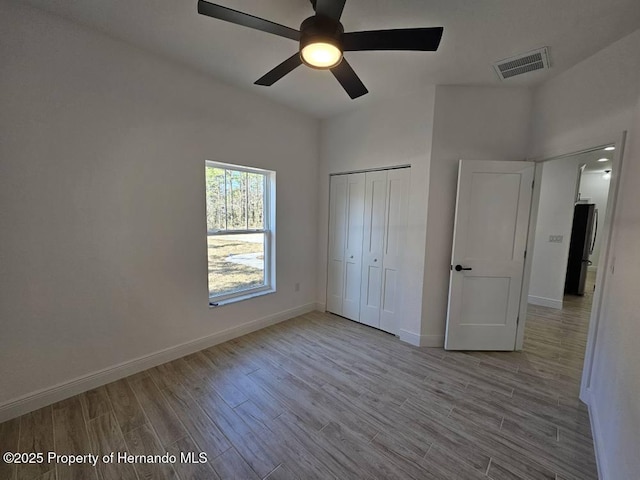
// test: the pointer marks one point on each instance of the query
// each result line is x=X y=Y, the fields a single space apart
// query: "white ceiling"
x=476 y=34
x=590 y=159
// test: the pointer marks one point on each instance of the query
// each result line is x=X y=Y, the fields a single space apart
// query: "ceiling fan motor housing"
x=320 y=29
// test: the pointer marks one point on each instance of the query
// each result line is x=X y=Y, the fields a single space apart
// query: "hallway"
x=555 y=337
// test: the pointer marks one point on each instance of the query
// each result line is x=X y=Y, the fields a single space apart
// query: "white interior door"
x=487 y=263
x=375 y=209
x=337 y=235
x=355 y=191
x=397 y=205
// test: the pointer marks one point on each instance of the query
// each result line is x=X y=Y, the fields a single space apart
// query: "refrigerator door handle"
x=595 y=231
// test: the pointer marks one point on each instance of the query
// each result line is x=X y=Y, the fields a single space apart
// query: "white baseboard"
x=596 y=432
x=545 y=302
x=47 y=396
x=422 y=340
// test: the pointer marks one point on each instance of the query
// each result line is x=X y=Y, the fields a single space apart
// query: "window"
x=240 y=231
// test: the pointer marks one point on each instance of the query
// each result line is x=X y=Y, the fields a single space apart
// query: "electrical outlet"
x=296 y=287
x=556 y=238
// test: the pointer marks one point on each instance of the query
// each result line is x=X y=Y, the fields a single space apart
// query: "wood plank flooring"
x=320 y=397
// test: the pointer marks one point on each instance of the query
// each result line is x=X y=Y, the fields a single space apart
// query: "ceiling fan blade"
x=246 y=20
x=329 y=8
x=280 y=71
x=349 y=80
x=421 y=39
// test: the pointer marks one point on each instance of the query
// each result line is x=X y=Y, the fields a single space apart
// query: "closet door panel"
x=353 y=245
x=337 y=235
x=394 y=241
x=373 y=247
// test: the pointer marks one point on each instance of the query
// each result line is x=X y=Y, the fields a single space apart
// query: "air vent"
x=521 y=64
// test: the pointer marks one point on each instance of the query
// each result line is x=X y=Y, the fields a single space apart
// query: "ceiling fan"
x=322 y=41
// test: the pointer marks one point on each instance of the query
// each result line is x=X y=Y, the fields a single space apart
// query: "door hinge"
x=518 y=321
x=532 y=184
x=525 y=254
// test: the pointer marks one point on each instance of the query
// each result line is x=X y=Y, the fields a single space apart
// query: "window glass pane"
x=216 y=211
x=236 y=262
x=236 y=200
x=256 y=201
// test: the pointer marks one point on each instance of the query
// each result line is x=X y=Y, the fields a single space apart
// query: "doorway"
x=571 y=209
x=569 y=238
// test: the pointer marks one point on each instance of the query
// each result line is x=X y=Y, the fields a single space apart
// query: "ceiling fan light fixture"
x=321 y=54
x=321 y=42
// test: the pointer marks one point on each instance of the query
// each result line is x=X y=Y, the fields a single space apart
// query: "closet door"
x=394 y=241
x=373 y=247
x=355 y=191
x=337 y=235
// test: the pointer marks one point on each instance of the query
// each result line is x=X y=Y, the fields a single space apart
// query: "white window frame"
x=269 y=231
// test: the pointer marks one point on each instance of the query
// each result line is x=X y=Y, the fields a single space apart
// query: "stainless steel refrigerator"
x=583 y=239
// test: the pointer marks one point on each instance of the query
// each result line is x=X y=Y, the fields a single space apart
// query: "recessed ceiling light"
x=603 y=159
x=608 y=149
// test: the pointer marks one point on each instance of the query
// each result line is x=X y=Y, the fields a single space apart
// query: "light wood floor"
x=322 y=397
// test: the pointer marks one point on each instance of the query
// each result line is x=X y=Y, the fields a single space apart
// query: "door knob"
x=459 y=268
x=375 y=259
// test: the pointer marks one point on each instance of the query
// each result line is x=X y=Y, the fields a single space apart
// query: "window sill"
x=240 y=298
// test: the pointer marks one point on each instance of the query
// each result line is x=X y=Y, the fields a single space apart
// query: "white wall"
x=615 y=384
x=596 y=188
x=591 y=104
x=471 y=123
x=103 y=247
x=555 y=216
x=588 y=105
x=388 y=133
